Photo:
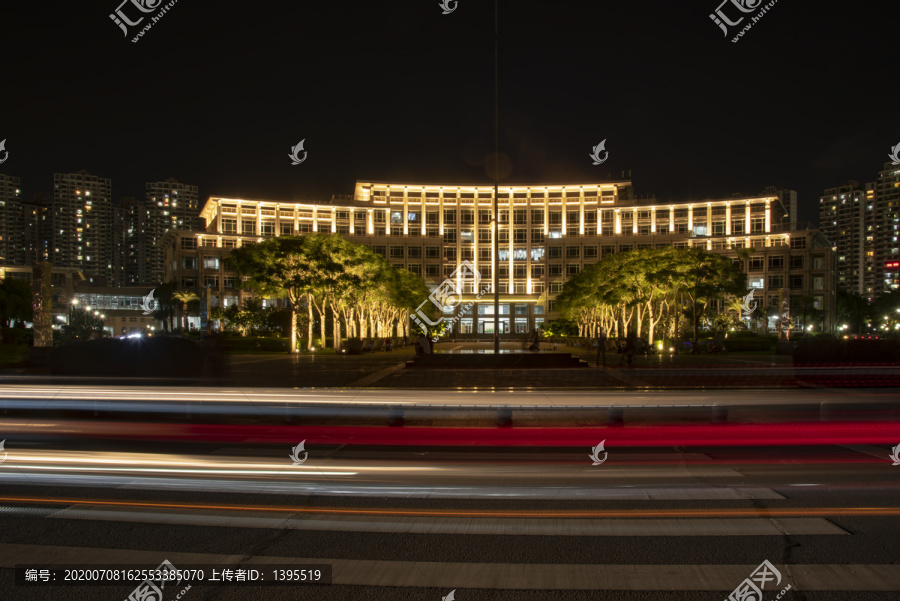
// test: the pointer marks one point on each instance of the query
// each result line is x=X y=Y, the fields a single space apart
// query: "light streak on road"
x=505 y=513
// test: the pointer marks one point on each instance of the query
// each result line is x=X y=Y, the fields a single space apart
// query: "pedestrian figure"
x=424 y=344
x=628 y=355
x=387 y=344
x=601 y=346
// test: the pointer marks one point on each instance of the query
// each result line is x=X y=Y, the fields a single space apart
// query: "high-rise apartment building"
x=131 y=258
x=11 y=221
x=862 y=222
x=169 y=205
x=81 y=233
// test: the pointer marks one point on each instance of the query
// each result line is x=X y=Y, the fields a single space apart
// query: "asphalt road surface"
x=558 y=521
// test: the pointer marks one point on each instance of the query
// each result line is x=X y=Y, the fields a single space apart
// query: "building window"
x=737 y=226
x=537 y=253
x=484 y=235
x=590 y=252
x=776 y=281
x=414 y=252
x=818 y=282
x=286 y=228
x=796 y=261
x=189 y=262
x=573 y=252
x=467 y=217
x=229 y=226
x=572 y=269
x=211 y=262
x=208 y=242
x=432 y=218
x=449 y=216
x=756 y=282
x=432 y=252
x=381 y=250
x=537 y=271
x=396 y=252
x=188 y=243
x=211 y=281
x=267 y=228
x=537 y=236
x=228 y=282
x=520 y=235
x=555 y=217
x=484 y=216
x=555 y=252
x=555 y=287
x=432 y=270
x=537 y=216
x=248 y=227
x=484 y=254
x=414 y=268
x=776 y=262
x=795 y=281
x=467 y=236
x=449 y=253
x=818 y=262
x=555 y=269
x=798 y=242
x=449 y=236
x=188 y=281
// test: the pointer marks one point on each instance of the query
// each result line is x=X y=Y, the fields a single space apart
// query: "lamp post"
x=494 y=273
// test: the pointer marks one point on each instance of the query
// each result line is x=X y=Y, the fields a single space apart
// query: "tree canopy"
x=328 y=274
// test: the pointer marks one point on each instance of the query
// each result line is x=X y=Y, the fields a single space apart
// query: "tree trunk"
x=309 y=333
x=293 y=347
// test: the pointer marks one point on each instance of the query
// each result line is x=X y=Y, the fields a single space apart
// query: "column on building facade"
x=634 y=221
x=727 y=218
x=690 y=219
x=509 y=225
x=652 y=220
x=315 y=223
x=768 y=217
x=747 y=218
x=618 y=227
x=581 y=210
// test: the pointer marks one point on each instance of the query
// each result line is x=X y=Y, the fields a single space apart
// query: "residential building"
x=81 y=225
x=862 y=222
x=11 y=221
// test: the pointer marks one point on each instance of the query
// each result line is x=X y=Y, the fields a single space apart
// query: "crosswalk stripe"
x=473 y=526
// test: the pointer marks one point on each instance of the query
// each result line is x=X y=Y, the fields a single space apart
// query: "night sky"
x=215 y=94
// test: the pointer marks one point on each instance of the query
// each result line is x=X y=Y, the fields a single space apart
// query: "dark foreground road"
x=419 y=522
